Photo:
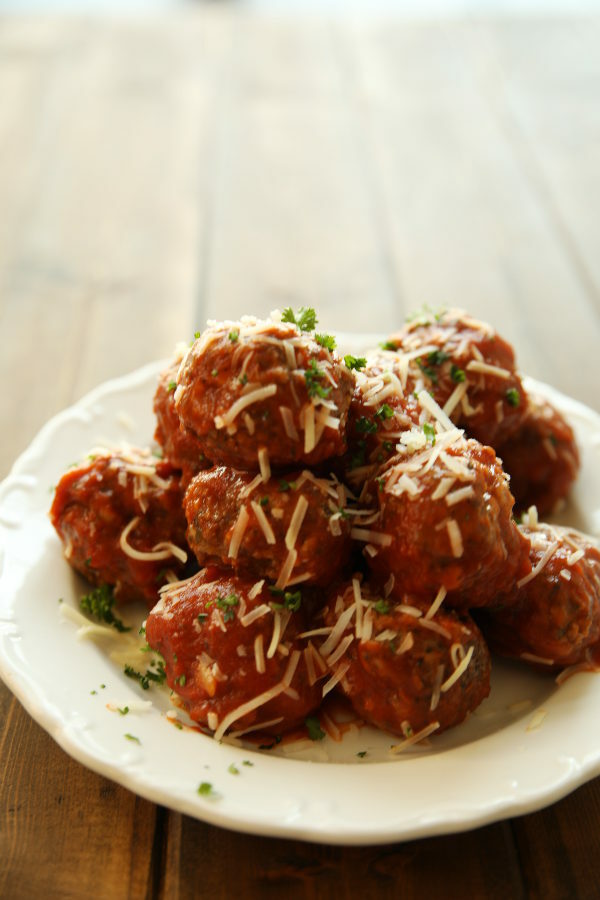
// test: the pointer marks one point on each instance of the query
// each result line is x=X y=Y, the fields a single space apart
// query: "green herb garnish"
x=429 y=432
x=326 y=340
x=233 y=335
x=291 y=600
x=384 y=412
x=226 y=605
x=157 y=677
x=132 y=737
x=312 y=377
x=365 y=426
x=313 y=726
x=99 y=603
x=355 y=362
x=205 y=789
x=513 y=397
x=305 y=318
x=456 y=374
x=382 y=607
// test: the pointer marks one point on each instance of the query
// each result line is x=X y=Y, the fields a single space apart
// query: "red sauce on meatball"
x=227 y=643
x=115 y=501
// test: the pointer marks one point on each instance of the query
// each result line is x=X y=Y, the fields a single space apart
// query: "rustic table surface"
x=158 y=172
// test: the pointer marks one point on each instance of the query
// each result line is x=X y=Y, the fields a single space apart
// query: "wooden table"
x=158 y=172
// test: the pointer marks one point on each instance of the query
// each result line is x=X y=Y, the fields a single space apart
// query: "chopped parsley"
x=156 y=676
x=384 y=412
x=382 y=607
x=233 y=769
x=264 y=501
x=171 y=386
x=457 y=374
x=205 y=789
x=313 y=726
x=276 y=740
x=429 y=432
x=305 y=318
x=99 y=603
x=246 y=762
x=233 y=335
x=437 y=357
x=291 y=600
x=513 y=397
x=362 y=753
x=326 y=340
x=197 y=334
x=226 y=605
x=202 y=617
x=434 y=359
x=355 y=362
x=123 y=710
x=132 y=737
x=312 y=377
x=181 y=680
x=357 y=457
x=425 y=315
x=388 y=345
x=243 y=379
x=365 y=426
x=286 y=485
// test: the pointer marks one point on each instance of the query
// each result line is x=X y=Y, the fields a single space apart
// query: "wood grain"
x=156 y=172
x=64 y=828
x=453 y=867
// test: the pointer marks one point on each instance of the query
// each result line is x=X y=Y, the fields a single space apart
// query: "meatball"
x=445 y=520
x=468 y=368
x=120 y=518
x=297 y=524
x=552 y=615
x=382 y=409
x=404 y=668
x=264 y=386
x=541 y=458
x=179 y=445
x=232 y=654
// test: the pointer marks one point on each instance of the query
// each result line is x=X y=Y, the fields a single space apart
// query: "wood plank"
x=558 y=847
x=294 y=220
x=468 y=226
x=64 y=829
x=549 y=94
x=477 y=864
x=103 y=214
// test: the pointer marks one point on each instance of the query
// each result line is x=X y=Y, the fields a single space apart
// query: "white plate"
x=490 y=768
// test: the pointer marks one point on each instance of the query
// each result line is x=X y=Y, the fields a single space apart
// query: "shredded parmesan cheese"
x=459 y=671
x=263 y=522
x=539 y=565
x=238 y=533
x=240 y=405
x=296 y=522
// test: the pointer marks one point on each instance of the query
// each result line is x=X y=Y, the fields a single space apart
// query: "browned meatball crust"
x=121 y=520
x=541 y=458
x=468 y=368
x=254 y=527
x=403 y=668
x=445 y=520
x=179 y=445
x=552 y=616
x=232 y=654
x=264 y=385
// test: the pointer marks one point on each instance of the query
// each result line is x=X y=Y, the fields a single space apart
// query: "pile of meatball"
x=316 y=524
